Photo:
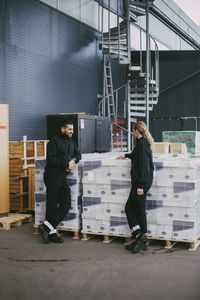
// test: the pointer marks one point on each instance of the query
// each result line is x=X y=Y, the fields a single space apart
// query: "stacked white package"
x=39 y=174
x=173 y=202
x=106 y=187
x=73 y=218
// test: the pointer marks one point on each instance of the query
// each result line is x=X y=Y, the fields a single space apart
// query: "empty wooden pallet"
x=14 y=220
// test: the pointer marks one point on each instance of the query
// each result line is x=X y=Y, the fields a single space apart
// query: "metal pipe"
x=124 y=85
x=109 y=27
x=118 y=27
x=147 y=64
x=141 y=50
x=116 y=109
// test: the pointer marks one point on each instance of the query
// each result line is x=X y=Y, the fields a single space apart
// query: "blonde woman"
x=142 y=177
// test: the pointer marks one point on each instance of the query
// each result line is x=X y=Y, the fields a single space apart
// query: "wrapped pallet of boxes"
x=73 y=218
x=173 y=202
x=106 y=187
x=190 y=138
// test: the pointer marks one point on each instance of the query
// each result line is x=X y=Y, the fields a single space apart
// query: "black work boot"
x=131 y=246
x=140 y=243
x=54 y=238
x=134 y=235
x=144 y=246
x=45 y=232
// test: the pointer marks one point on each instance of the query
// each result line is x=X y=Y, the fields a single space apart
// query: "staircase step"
x=140 y=4
x=143 y=95
x=152 y=102
x=115 y=51
x=114 y=56
x=134 y=68
x=133 y=120
x=137 y=114
x=140 y=108
x=124 y=61
x=141 y=89
x=113 y=39
x=116 y=47
x=152 y=81
x=115 y=31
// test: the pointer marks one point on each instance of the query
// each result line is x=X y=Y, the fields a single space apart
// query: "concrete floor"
x=91 y=269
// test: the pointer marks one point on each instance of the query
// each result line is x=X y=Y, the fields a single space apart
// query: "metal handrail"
x=124 y=18
x=112 y=93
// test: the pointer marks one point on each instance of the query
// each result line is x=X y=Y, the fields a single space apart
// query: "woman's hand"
x=140 y=192
x=121 y=157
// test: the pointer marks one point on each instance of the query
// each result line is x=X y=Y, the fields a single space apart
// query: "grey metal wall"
x=180 y=93
x=49 y=64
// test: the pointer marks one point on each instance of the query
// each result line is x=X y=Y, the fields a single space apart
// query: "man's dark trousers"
x=58 y=198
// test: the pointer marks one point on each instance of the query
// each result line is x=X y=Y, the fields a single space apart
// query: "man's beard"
x=68 y=136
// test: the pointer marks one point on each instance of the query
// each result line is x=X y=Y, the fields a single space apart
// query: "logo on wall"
x=3 y=125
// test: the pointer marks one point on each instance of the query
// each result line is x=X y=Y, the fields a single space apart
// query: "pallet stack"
x=72 y=222
x=106 y=187
x=22 y=157
x=4 y=171
x=190 y=138
x=173 y=202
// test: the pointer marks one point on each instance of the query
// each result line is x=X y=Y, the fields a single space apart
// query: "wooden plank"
x=107 y=237
x=169 y=243
x=21 y=153
x=14 y=220
x=31 y=187
x=4 y=162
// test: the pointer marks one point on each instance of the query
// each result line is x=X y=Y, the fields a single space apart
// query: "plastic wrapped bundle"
x=190 y=138
x=173 y=202
x=106 y=187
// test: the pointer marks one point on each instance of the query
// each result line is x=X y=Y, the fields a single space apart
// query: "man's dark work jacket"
x=60 y=150
x=142 y=164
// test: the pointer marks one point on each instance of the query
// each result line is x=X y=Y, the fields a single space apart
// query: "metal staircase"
x=108 y=84
x=115 y=43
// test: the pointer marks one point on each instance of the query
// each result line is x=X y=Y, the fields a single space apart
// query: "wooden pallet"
x=169 y=243
x=22 y=157
x=107 y=237
x=27 y=148
x=76 y=232
x=14 y=220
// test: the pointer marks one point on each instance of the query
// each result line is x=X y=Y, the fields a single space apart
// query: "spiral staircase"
x=115 y=44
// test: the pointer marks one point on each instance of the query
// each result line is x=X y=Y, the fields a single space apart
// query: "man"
x=62 y=154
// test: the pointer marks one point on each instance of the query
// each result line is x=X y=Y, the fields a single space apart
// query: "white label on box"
x=82 y=124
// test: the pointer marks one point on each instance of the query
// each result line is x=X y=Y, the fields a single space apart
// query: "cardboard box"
x=160 y=148
x=177 y=148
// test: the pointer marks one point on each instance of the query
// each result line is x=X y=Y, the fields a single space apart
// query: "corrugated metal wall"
x=49 y=63
x=179 y=92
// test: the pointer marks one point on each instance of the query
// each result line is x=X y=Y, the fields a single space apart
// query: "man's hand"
x=140 y=192
x=121 y=157
x=71 y=164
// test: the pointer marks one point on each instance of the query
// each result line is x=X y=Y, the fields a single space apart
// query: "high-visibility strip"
x=49 y=225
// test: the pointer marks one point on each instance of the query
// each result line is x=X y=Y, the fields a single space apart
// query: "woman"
x=141 y=177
